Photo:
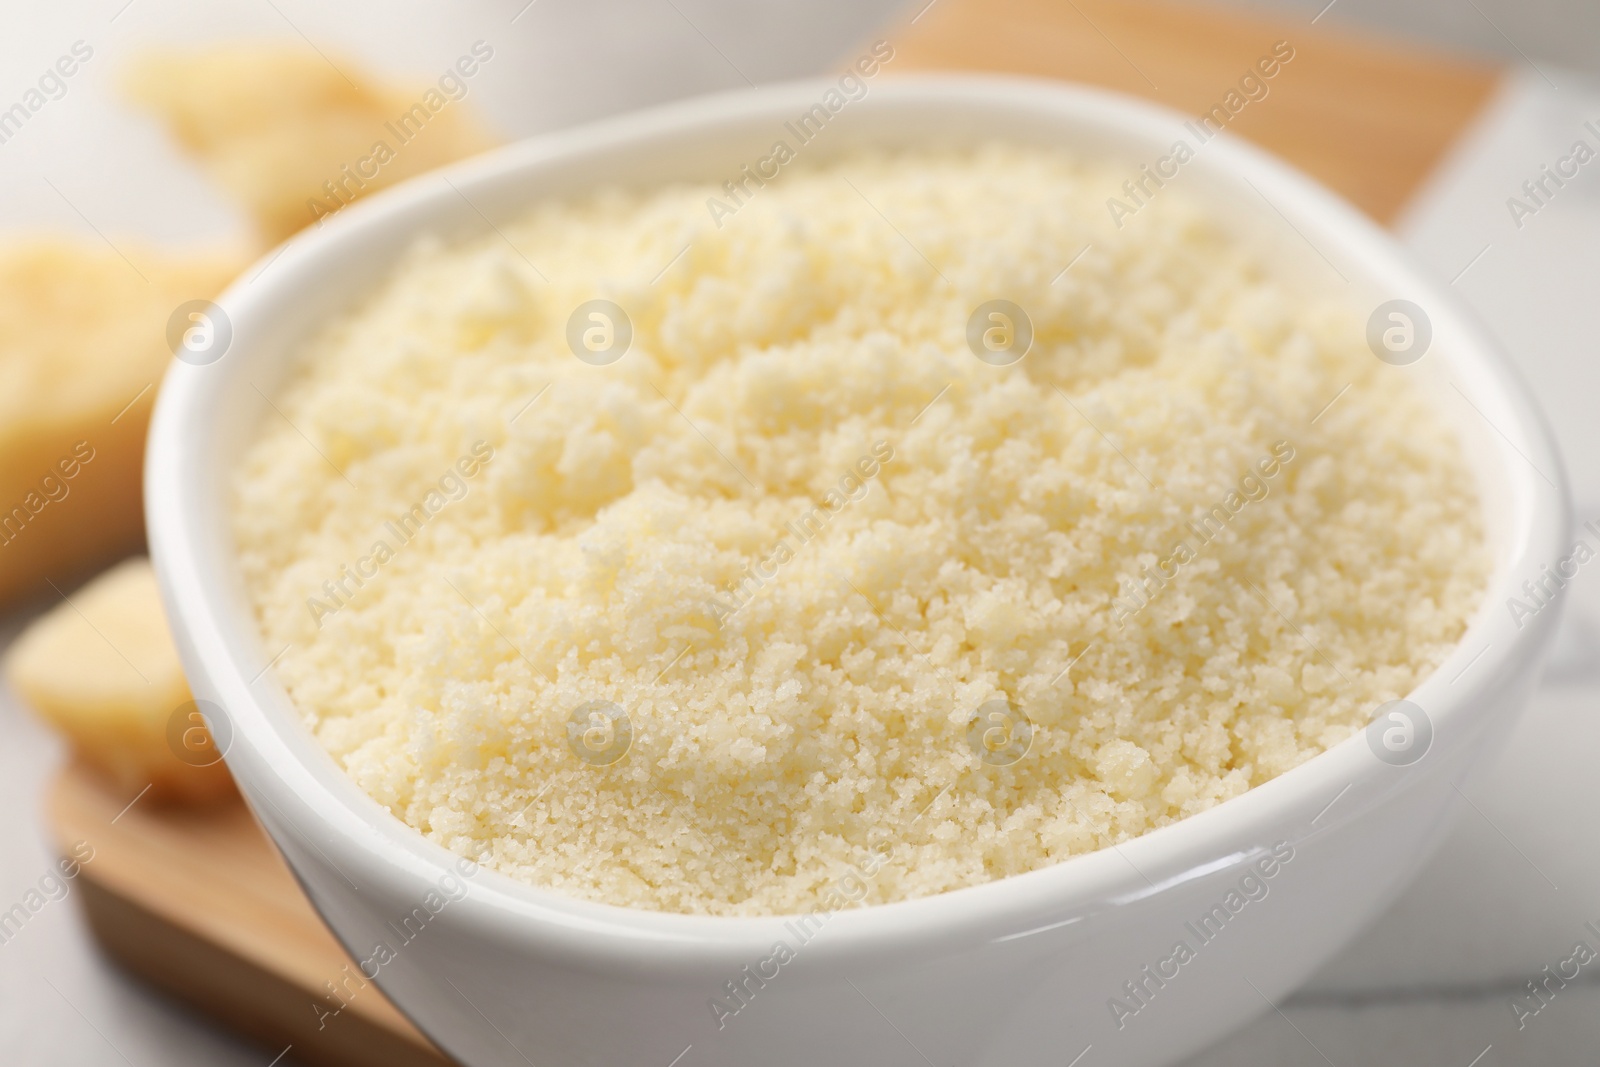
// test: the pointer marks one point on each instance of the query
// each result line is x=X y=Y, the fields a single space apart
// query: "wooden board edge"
x=1453 y=89
x=234 y=991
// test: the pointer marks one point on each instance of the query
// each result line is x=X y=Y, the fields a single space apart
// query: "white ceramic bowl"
x=1016 y=972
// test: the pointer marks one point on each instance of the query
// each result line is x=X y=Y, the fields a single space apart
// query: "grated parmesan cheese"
x=1004 y=561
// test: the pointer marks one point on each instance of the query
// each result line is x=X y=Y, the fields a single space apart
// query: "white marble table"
x=1430 y=984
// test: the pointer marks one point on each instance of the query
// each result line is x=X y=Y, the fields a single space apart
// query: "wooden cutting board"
x=1370 y=119
x=200 y=903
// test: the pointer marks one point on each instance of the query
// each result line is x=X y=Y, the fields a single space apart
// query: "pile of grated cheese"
x=556 y=534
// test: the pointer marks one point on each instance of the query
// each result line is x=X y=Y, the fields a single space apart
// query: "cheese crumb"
x=799 y=584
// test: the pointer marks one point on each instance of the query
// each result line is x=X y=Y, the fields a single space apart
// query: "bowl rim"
x=272 y=755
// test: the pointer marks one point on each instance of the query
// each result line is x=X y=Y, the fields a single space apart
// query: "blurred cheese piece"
x=102 y=668
x=294 y=137
x=83 y=345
